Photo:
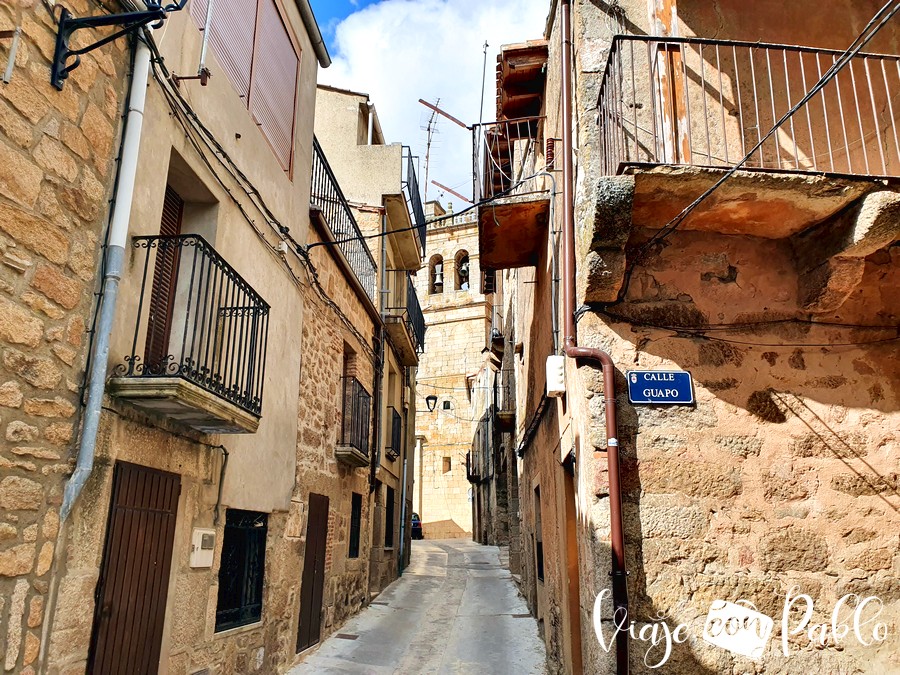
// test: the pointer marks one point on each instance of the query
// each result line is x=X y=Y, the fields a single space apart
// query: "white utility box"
x=203 y=545
x=556 y=376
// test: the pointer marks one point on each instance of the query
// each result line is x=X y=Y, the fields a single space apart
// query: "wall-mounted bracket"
x=65 y=60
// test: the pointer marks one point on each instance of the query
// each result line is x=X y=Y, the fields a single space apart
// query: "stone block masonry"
x=56 y=164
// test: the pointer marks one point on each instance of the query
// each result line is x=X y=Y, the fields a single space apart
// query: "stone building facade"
x=380 y=183
x=779 y=482
x=458 y=324
x=57 y=152
x=235 y=467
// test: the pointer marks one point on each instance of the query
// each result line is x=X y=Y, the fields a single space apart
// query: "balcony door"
x=165 y=281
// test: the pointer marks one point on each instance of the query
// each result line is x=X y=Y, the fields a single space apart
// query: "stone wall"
x=56 y=165
x=458 y=323
x=784 y=473
x=320 y=413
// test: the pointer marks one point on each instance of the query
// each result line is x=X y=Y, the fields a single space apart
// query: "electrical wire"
x=749 y=324
x=449 y=216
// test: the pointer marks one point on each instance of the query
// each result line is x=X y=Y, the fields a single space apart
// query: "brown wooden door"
x=309 y=628
x=134 y=574
x=165 y=282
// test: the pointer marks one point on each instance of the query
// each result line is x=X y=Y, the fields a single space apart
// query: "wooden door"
x=165 y=282
x=134 y=575
x=313 y=584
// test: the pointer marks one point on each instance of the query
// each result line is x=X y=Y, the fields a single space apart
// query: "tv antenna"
x=429 y=134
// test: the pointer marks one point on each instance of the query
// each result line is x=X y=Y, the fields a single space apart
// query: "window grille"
x=241 y=569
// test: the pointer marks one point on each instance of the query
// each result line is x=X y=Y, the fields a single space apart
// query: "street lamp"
x=431 y=402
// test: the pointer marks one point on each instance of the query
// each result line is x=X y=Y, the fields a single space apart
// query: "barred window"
x=241 y=569
x=355 y=524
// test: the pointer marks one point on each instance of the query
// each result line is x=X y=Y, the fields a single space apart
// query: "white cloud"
x=399 y=51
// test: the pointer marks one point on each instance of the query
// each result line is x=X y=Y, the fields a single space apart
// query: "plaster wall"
x=261 y=469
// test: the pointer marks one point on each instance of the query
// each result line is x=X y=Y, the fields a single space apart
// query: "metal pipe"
x=371 y=109
x=11 y=62
x=205 y=43
x=115 y=256
x=315 y=35
x=620 y=587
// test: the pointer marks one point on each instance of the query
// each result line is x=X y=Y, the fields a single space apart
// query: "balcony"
x=393 y=450
x=405 y=326
x=676 y=112
x=508 y=172
x=353 y=448
x=199 y=348
x=413 y=195
x=327 y=197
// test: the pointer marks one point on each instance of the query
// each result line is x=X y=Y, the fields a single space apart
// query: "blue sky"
x=399 y=51
x=329 y=13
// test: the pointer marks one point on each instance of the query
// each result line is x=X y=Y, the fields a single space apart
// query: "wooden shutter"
x=165 y=281
x=273 y=92
x=231 y=34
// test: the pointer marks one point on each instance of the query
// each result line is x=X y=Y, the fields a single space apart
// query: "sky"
x=399 y=51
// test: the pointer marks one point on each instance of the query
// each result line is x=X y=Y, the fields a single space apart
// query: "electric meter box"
x=556 y=375
x=203 y=545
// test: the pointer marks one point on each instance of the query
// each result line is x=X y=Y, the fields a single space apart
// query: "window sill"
x=237 y=630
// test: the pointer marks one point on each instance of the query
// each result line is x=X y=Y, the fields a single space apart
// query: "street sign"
x=667 y=387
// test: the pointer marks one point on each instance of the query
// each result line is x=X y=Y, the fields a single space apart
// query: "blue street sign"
x=671 y=387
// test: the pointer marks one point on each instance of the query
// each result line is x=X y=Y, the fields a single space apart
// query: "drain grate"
x=346 y=636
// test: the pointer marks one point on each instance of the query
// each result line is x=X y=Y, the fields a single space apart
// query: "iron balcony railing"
x=413 y=196
x=198 y=319
x=700 y=102
x=326 y=194
x=412 y=316
x=393 y=449
x=505 y=157
x=357 y=413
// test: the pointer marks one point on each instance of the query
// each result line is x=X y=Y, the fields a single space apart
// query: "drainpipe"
x=403 y=444
x=379 y=355
x=595 y=356
x=371 y=109
x=115 y=256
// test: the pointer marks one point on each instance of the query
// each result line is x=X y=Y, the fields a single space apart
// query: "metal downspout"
x=619 y=574
x=115 y=256
x=379 y=357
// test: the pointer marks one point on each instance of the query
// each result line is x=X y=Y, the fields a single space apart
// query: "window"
x=355 y=524
x=436 y=275
x=462 y=271
x=389 y=519
x=254 y=48
x=538 y=535
x=446 y=405
x=241 y=569
x=447 y=464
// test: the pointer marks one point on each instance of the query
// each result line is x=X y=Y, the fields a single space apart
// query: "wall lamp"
x=431 y=402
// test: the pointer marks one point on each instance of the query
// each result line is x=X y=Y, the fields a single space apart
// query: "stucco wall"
x=261 y=469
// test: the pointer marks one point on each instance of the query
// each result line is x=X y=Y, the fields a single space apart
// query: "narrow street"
x=455 y=610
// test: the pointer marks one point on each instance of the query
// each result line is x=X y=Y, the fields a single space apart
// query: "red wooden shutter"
x=231 y=35
x=273 y=92
x=165 y=281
